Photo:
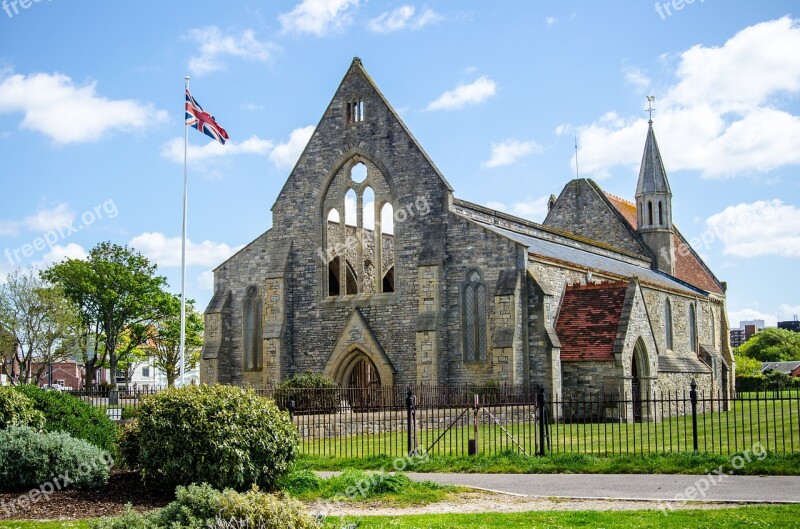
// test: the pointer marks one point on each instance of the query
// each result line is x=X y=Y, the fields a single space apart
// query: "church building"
x=374 y=273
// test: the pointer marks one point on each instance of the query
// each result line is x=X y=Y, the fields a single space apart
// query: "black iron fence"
x=469 y=419
x=457 y=420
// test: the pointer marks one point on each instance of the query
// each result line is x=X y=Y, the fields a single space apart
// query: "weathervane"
x=650 y=108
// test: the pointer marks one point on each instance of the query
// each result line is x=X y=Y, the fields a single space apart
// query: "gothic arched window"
x=692 y=328
x=252 y=357
x=649 y=213
x=473 y=309
x=358 y=231
x=668 y=323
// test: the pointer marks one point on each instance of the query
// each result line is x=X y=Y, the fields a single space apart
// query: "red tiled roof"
x=589 y=319
x=688 y=267
x=626 y=209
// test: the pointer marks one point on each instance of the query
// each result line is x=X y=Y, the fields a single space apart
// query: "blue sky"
x=91 y=117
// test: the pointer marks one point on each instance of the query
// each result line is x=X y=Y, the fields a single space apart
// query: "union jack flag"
x=203 y=121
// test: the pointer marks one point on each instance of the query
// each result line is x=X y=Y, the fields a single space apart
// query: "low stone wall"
x=351 y=423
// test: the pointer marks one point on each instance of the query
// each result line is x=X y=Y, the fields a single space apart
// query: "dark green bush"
x=311 y=393
x=308 y=381
x=66 y=413
x=201 y=506
x=18 y=410
x=29 y=459
x=222 y=435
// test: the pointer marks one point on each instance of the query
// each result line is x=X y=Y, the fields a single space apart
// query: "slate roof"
x=681 y=364
x=652 y=174
x=688 y=265
x=561 y=253
x=781 y=367
x=588 y=321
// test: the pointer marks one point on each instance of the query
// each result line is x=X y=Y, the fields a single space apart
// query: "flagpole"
x=183 y=240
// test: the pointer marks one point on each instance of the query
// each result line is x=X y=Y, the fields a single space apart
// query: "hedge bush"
x=31 y=459
x=18 y=410
x=201 y=506
x=311 y=393
x=222 y=435
x=66 y=413
x=769 y=381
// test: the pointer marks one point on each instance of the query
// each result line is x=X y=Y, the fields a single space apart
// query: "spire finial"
x=650 y=108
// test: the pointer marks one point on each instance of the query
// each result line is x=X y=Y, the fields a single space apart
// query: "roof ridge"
x=624 y=200
x=602 y=285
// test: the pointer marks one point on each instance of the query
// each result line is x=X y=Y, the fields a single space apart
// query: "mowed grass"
x=739 y=517
x=771 y=424
x=514 y=463
x=773 y=516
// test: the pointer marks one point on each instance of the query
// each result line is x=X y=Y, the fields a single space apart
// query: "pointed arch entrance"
x=640 y=377
x=358 y=371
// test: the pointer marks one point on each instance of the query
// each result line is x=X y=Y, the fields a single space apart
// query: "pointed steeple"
x=654 y=204
x=652 y=175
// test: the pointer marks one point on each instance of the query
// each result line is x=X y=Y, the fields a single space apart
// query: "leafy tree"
x=746 y=365
x=772 y=345
x=36 y=319
x=115 y=288
x=132 y=349
x=165 y=338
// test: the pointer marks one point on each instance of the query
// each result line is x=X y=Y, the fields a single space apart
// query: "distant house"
x=69 y=374
x=787 y=368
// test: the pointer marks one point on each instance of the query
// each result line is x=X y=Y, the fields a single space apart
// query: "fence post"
x=542 y=424
x=476 y=412
x=409 y=422
x=693 y=398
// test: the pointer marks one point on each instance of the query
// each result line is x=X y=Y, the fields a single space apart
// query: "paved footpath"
x=659 y=487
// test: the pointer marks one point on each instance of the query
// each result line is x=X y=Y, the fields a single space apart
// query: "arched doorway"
x=640 y=376
x=360 y=373
x=636 y=391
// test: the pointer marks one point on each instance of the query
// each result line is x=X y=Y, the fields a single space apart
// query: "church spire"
x=654 y=202
x=652 y=175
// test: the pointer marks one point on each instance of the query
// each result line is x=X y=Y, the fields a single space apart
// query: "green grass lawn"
x=756 y=517
x=783 y=517
x=513 y=463
x=775 y=424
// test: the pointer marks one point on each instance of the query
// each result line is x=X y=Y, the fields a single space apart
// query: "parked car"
x=54 y=387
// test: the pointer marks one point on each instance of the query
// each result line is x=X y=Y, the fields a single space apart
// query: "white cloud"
x=550 y=20
x=9 y=228
x=534 y=209
x=56 y=217
x=507 y=152
x=173 y=149
x=734 y=317
x=317 y=17
x=285 y=155
x=55 y=106
x=402 y=18
x=205 y=280
x=58 y=253
x=637 y=78
x=722 y=115
x=214 y=45
x=760 y=228
x=465 y=94
x=252 y=107
x=788 y=312
x=166 y=251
